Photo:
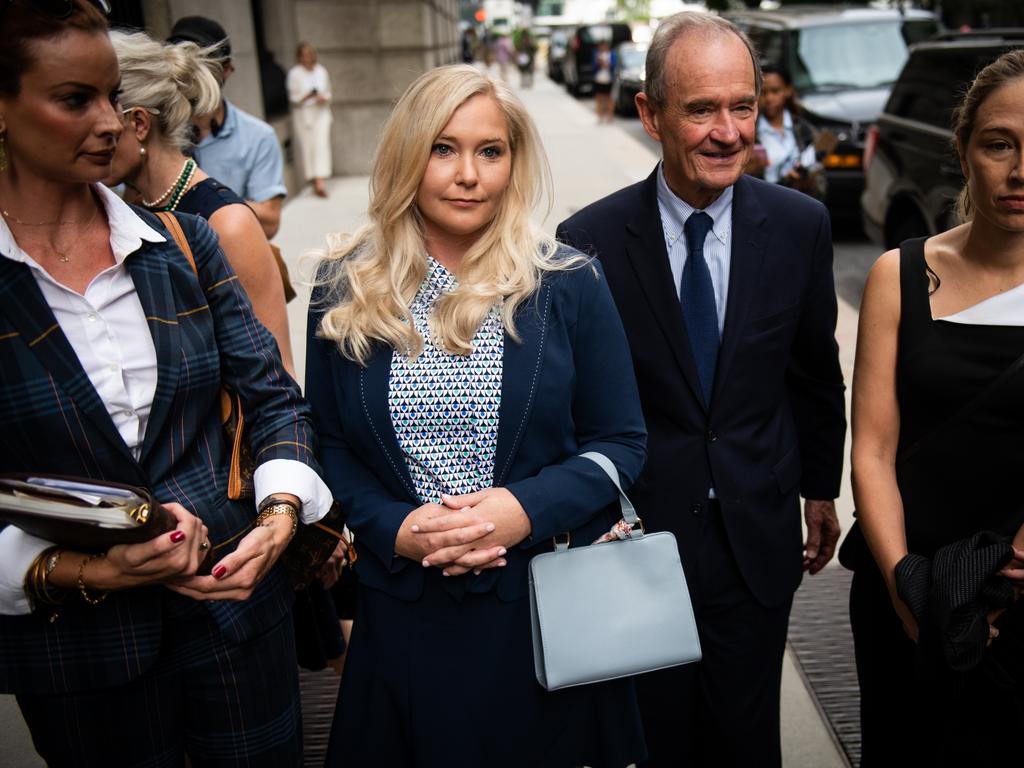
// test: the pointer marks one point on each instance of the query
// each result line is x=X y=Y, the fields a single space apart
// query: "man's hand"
x=822 y=533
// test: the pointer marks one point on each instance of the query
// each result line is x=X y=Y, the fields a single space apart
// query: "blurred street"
x=588 y=161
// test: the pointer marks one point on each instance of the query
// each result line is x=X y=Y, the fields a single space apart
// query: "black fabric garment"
x=959 y=481
x=952 y=597
x=207 y=197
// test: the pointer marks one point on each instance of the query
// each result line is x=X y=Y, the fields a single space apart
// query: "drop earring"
x=142 y=151
x=3 y=152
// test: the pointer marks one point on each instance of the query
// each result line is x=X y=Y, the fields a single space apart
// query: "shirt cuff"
x=298 y=479
x=17 y=552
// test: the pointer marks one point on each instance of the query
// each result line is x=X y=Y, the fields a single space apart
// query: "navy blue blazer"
x=776 y=424
x=567 y=388
x=52 y=420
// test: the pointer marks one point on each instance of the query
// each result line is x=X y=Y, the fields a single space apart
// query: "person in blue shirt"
x=238 y=149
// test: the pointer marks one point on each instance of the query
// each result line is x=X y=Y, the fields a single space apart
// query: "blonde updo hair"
x=173 y=82
x=376 y=272
x=1004 y=70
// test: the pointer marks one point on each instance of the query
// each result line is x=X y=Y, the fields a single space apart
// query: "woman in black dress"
x=942 y=323
x=163 y=87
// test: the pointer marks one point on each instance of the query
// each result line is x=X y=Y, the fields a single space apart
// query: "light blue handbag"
x=612 y=609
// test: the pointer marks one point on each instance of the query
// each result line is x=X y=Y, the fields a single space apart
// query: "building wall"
x=372 y=50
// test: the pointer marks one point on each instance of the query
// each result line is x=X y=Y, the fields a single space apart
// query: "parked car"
x=557 y=45
x=628 y=78
x=578 y=64
x=843 y=62
x=912 y=171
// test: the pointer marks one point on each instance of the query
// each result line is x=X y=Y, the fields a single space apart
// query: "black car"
x=843 y=61
x=628 y=79
x=557 y=46
x=578 y=64
x=912 y=171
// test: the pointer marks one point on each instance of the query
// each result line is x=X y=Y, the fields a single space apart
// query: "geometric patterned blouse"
x=444 y=408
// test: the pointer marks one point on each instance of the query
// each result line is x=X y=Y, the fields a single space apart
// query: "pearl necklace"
x=176 y=189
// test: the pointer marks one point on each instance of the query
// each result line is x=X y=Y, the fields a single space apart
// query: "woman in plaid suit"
x=112 y=355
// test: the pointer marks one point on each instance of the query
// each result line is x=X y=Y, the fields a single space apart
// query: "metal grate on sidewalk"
x=819 y=635
x=319 y=691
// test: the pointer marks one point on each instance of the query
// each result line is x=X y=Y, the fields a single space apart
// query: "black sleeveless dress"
x=954 y=481
x=207 y=197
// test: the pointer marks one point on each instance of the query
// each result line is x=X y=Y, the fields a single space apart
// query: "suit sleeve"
x=607 y=418
x=815 y=379
x=276 y=415
x=372 y=512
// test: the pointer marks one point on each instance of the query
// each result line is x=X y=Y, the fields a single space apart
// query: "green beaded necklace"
x=180 y=186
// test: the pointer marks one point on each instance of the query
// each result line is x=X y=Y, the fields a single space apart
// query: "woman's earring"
x=142 y=150
x=3 y=152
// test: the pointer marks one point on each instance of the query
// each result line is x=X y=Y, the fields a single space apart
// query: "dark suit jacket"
x=776 y=423
x=205 y=333
x=567 y=387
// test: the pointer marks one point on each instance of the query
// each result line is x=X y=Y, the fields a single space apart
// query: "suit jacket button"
x=696 y=509
x=712 y=435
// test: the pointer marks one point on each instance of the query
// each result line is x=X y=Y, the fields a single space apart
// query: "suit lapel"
x=156 y=294
x=645 y=245
x=374 y=385
x=521 y=364
x=749 y=239
x=29 y=313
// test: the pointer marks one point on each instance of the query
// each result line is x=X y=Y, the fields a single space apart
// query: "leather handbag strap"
x=170 y=221
x=628 y=512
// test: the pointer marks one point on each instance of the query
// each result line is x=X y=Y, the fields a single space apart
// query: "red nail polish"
x=178 y=536
x=219 y=571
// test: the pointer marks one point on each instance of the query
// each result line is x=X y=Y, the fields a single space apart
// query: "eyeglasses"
x=59 y=9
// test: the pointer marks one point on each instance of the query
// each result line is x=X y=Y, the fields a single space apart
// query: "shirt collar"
x=225 y=129
x=127 y=230
x=675 y=211
x=787 y=123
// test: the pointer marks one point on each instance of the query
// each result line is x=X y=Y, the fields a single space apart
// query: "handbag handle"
x=628 y=512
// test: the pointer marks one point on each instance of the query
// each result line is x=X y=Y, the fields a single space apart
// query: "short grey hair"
x=674 y=27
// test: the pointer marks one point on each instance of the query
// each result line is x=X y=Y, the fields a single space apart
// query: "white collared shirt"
x=107 y=329
x=717 y=244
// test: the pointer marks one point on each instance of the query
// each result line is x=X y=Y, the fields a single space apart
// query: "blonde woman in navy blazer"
x=454 y=349
x=112 y=356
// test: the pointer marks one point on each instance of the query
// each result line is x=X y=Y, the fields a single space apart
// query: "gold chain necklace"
x=61 y=251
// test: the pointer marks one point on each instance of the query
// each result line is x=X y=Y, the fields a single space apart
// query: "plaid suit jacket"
x=52 y=420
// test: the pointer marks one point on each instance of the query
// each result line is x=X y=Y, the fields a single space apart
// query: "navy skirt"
x=442 y=681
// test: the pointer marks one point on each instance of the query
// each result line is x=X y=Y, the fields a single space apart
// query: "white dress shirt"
x=106 y=327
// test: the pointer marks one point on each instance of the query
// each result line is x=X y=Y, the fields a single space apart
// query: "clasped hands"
x=471 y=532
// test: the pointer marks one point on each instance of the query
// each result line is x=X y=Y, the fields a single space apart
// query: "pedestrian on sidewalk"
x=724 y=284
x=937 y=456
x=309 y=91
x=458 y=363
x=115 y=349
x=604 y=71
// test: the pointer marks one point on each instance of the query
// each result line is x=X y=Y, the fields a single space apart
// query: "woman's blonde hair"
x=1004 y=70
x=172 y=82
x=377 y=271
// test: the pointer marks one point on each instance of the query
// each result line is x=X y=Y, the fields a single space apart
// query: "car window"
x=767 y=43
x=632 y=58
x=866 y=55
x=933 y=83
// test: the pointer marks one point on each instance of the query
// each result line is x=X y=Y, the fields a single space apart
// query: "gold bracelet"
x=278 y=507
x=81 y=582
x=36 y=584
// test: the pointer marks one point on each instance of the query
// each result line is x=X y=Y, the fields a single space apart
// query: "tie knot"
x=696 y=229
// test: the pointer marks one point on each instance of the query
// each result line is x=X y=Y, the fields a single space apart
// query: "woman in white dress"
x=309 y=91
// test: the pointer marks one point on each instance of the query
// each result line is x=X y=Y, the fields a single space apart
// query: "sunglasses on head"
x=59 y=9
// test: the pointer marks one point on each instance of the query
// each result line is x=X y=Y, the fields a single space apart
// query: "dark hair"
x=204 y=32
x=21 y=26
x=773 y=68
x=1003 y=70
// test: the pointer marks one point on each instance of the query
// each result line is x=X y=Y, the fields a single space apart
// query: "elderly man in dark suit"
x=725 y=287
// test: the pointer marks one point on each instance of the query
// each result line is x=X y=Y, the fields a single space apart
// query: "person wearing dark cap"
x=235 y=147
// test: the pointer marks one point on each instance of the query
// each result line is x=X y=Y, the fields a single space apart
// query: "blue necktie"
x=697 y=295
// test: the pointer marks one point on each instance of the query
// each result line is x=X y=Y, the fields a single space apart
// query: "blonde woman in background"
x=458 y=362
x=309 y=91
x=163 y=86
